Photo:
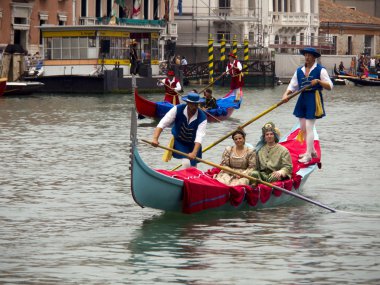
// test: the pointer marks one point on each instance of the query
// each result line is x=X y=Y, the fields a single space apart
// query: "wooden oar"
x=226 y=169
x=208 y=113
x=212 y=83
x=253 y=119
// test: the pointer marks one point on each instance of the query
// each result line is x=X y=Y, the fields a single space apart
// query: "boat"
x=22 y=87
x=156 y=110
x=362 y=81
x=3 y=83
x=172 y=190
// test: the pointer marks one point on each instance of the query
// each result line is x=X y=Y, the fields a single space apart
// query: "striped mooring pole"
x=223 y=49
x=223 y=54
x=211 y=59
x=234 y=46
x=246 y=54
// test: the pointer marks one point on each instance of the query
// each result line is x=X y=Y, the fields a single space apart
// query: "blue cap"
x=310 y=50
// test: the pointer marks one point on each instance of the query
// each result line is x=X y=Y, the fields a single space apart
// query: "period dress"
x=244 y=163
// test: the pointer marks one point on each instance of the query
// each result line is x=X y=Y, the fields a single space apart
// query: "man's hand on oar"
x=229 y=170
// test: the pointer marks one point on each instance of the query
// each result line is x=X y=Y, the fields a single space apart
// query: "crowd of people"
x=363 y=67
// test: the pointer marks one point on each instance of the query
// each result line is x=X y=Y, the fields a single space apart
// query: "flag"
x=179 y=7
x=136 y=9
x=121 y=3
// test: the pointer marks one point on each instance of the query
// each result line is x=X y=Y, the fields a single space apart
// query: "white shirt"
x=293 y=85
x=238 y=65
x=183 y=61
x=162 y=83
x=169 y=119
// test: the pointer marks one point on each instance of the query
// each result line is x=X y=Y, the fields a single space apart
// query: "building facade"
x=274 y=25
x=77 y=35
x=352 y=33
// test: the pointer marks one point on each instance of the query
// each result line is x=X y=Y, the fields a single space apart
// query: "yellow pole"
x=223 y=49
x=234 y=46
x=211 y=59
x=246 y=54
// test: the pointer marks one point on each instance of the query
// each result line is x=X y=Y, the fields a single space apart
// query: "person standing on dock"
x=234 y=69
x=172 y=87
x=309 y=106
x=135 y=62
x=189 y=128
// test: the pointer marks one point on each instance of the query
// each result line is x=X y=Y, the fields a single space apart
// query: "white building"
x=269 y=25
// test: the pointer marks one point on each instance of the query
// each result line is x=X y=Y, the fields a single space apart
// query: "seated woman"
x=273 y=160
x=240 y=158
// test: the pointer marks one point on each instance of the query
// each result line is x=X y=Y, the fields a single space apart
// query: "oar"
x=226 y=169
x=212 y=83
x=220 y=76
x=208 y=113
x=253 y=119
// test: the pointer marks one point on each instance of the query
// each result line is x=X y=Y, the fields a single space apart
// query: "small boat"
x=362 y=81
x=3 y=84
x=172 y=190
x=156 y=110
x=338 y=81
x=22 y=87
x=337 y=72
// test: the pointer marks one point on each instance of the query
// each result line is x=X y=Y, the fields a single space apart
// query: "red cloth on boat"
x=296 y=148
x=201 y=191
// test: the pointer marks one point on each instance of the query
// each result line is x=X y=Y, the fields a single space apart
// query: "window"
x=276 y=40
x=224 y=4
x=349 y=45
x=83 y=10
x=302 y=38
x=293 y=41
x=252 y=4
x=219 y=36
x=69 y=47
x=155 y=49
x=368 y=44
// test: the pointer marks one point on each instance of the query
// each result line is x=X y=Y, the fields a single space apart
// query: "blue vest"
x=183 y=131
x=314 y=74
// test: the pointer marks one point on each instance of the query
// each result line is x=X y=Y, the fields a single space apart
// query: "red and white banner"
x=136 y=9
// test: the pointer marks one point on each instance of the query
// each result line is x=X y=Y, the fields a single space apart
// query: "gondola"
x=156 y=110
x=22 y=87
x=192 y=190
x=362 y=81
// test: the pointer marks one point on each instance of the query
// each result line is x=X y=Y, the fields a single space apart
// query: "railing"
x=289 y=19
x=255 y=67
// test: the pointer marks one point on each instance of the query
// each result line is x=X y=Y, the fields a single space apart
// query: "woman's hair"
x=239 y=131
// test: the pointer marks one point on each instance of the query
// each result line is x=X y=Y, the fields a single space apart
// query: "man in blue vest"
x=189 y=128
x=309 y=106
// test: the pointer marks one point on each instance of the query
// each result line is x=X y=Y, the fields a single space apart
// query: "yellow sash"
x=318 y=104
x=168 y=154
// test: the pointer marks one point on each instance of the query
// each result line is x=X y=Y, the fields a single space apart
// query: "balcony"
x=289 y=19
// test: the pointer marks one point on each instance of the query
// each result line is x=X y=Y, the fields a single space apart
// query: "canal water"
x=67 y=215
